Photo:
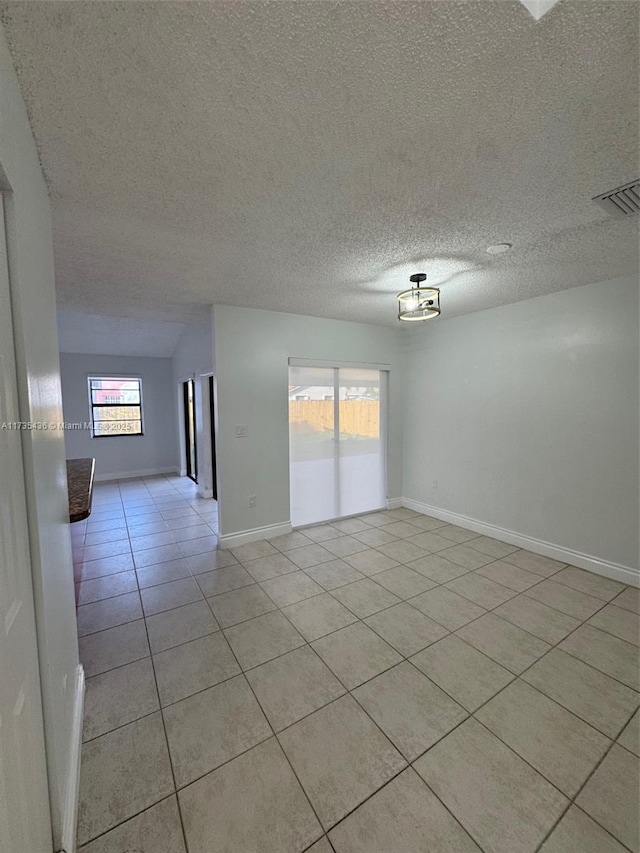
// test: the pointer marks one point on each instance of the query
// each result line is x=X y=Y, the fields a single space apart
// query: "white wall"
x=194 y=352
x=252 y=349
x=36 y=340
x=128 y=455
x=193 y=359
x=526 y=416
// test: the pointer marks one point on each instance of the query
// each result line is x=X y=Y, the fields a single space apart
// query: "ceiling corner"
x=538 y=8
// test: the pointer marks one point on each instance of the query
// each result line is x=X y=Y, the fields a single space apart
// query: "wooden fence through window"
x=357 y=417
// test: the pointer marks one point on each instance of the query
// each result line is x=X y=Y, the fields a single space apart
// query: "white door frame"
x=25 y=811
x=207 y=426
x=203 y=430
x=182 y=438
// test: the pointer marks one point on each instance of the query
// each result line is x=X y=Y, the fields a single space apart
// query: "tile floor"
x=383 y=684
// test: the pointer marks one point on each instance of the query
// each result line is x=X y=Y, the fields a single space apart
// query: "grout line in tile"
x=274 y=734
x=576 y=795
x=107 y=597
x=122 y=822
x=126 y=622
x=606 y=631
x=373 y=793
x=123 y=725
x=472 y=714
x=487 y=610
x=164 y=729
x=326 y=838
x=516 y=677
x=227 y=760
x=120 y=665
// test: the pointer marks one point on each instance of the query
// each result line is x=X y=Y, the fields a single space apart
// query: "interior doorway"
x=212 y=412
x=337 y=442
x=191 y=451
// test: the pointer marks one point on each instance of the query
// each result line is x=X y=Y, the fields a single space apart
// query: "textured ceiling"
x=308 y=156
x=88 y=333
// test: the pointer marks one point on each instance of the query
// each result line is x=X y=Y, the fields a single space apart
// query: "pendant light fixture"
x=418 y=303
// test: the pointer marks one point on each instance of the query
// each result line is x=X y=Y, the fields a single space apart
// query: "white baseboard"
x=129 y=475
x=205 y=493
x=615 y=571
x=70 y=816
x=233 y=540
x=394 y=503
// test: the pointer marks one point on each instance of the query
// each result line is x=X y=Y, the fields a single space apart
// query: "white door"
x=25 y=824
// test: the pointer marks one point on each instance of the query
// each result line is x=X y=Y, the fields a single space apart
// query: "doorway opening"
x=188 y=397
x=337 y=442
x=214 y=467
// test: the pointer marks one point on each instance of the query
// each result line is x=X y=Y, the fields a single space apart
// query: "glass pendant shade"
x=419 y=302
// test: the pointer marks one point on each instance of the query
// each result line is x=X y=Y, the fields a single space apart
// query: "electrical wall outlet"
x=434 y=485
x=252 y=500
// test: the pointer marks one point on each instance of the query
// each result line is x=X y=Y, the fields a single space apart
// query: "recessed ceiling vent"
x=623 y=201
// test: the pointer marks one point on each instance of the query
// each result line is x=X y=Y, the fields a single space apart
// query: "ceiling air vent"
x=623 y=201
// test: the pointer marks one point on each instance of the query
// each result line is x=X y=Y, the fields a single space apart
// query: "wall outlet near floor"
x=252 y=500
x=434 y=484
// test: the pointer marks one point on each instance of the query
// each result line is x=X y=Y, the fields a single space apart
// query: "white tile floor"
x=385 y=684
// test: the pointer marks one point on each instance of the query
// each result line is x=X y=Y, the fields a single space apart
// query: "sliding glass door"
x=337 y=440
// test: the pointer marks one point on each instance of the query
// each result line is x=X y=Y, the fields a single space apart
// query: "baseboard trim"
x=394 y=503
x=130 y=475
x=205 y=493
x=615 y=571
x=233 y=540
x=70 y=816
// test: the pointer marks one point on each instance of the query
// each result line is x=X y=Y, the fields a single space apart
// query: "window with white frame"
x=115 y=403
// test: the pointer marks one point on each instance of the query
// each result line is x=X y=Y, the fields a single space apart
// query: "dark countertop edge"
x=80 y=477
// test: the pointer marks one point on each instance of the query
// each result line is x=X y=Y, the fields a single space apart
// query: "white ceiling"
x=308 y=156
x=88 y=333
